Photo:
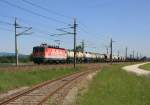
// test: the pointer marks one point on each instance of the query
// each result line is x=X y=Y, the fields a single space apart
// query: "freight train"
x=53 y=54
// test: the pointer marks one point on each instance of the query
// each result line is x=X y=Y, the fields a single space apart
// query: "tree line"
x=12 y=59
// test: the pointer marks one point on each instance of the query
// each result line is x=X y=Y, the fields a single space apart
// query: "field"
x=146 y=66
x=15 y=78
x=114 y=86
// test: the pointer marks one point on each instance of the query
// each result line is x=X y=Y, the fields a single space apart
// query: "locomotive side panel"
x=55 y=54
x=48 y=54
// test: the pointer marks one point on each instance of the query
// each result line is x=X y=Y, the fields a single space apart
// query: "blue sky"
x=126 y=21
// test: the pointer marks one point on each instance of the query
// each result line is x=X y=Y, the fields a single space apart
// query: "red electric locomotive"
x=51 y=54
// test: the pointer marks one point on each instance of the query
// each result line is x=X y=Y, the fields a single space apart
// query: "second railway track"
x=39 y=94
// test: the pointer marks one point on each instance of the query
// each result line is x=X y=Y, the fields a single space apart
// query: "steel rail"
x=59 y=88
x=38 y=86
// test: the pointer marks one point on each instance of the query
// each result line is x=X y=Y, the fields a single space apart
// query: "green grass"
x=114 y=86
x=14 y=79
x=146 y=66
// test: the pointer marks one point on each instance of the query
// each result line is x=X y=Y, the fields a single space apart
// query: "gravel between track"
x=86 y=67
x=135 y=69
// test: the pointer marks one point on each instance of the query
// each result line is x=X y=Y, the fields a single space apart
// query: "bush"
x=12 y=59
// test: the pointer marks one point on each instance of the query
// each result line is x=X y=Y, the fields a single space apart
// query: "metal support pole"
x=16 y=46
x=74 y=27
x=133 y=54
x=118 y=53
x=107 y=51
x=82 y=45
x=126 y=53
x=137 y=55
x=111 y=50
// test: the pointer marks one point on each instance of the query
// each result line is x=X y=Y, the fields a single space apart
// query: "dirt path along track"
x=136 y=70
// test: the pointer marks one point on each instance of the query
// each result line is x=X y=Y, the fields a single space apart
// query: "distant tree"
x=31 y=57
x=7 y=59
x=12 y=59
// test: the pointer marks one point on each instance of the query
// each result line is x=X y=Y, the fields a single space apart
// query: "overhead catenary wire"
x=43 y=8
x=38 y=31
x=87 y=32
x=10 y=24
x=7 y=23
x=28 y=22
x=5 y=29
x=9 y=17
x=82 y=29
x=53 y=12
x=32 y=12
x=56 y=13
x=14 y=5
x=46 y=9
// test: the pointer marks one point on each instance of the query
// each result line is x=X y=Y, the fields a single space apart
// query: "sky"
x=127 y=22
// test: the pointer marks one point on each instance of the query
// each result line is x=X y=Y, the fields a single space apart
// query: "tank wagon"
x=53 y=54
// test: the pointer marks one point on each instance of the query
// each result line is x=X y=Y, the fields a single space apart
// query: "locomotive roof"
x=56 y=47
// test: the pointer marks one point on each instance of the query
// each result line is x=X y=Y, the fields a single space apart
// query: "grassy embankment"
x=15 y=79
x=114 y=86
x=146 y=66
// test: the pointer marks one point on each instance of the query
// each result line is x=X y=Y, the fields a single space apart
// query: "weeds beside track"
x=40 y=93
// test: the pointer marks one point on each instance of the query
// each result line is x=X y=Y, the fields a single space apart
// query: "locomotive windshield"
x=38 y=49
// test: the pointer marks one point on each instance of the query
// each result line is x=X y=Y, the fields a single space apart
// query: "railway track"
x=44 y=67
x=40 y=93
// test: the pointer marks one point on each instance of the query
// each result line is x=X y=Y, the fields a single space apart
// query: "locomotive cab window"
x=38 y=49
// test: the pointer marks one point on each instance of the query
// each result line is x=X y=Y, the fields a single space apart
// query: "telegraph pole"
x=111 y=50
x=126 y=52
x=118 y=53
x=74 y=33
x=74 y=29
x=16 y=46
x=133 y=54
x=107 y=50
x=82 y=45
x=16 y=35
x=137 y=55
